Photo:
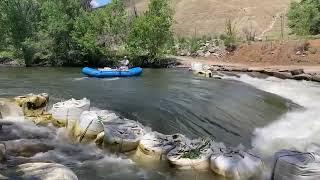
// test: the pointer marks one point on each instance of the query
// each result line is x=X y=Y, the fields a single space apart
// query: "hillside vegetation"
x=207 y=17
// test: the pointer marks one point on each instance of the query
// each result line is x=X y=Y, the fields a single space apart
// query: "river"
x=232 y=110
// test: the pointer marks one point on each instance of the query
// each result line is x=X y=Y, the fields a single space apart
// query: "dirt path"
x=273 y=22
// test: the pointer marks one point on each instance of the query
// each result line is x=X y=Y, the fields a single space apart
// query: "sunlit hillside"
x=200 y=17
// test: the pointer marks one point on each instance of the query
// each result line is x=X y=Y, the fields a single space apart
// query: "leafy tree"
x=304 y=17
x=18 y=21
x=152 y=31
x=58 y=20
x=103 y=31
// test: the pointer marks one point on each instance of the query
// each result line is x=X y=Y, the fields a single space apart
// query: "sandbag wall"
x=106 y=129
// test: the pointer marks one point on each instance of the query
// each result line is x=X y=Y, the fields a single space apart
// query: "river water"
x=246 y=110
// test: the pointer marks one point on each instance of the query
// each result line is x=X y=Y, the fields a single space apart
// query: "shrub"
x=230 y=36
x=303 y=46
x=151 y=32
x=304 y=17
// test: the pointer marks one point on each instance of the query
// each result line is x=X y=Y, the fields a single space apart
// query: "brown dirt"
x=279 y=55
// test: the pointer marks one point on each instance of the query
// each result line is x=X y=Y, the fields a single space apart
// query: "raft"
x=91 y=72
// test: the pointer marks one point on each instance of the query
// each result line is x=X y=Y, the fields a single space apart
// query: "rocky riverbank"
x=296 y=72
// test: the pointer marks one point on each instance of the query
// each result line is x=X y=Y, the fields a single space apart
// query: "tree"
x=304 y=17
x=19 y=21
x=58 y=21
x=151 y=32
x=102 y=31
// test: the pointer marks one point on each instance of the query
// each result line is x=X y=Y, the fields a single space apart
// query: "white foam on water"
x=296 y=129
x=110 y=79
x=80 y=78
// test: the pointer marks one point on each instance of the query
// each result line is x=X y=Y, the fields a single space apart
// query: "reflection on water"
x=168 y=101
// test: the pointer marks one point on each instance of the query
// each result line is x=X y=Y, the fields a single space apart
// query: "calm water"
x=167 y=101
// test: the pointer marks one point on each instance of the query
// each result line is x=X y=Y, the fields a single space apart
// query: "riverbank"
x=297 y=72
x=294 y=59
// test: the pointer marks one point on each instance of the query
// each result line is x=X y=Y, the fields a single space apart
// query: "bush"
x=304 y=17
x=230 y=36
x=303 y=46
x=151 y=32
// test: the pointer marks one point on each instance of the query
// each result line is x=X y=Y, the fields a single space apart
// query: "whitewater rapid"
x=296 y=129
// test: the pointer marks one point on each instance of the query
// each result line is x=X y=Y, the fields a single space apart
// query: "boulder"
x=282 y=75
x=315 y=78
x=43 y=120
x=122 y=135
x=200 y=53
x=213 y=50
x=296 y=72
x=68 y=112
x=236 y=164
x=207 y=54
x=204 y=73
x=196 y=66
x=33 y=105
x=306 y=77
x=295 y=165
x=191 y=154
x=45 y=171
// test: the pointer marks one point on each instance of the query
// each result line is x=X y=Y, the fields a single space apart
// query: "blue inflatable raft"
x=111 y=72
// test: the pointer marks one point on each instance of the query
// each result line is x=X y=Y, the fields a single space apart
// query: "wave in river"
x=296 y=129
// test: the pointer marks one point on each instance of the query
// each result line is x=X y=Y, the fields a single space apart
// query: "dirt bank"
x=278 y=59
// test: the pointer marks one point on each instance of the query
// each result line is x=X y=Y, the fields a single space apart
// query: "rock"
x=205 y=73
x=298 y=53
x=33 y=105
x=43 y=120
x=2 y=151
x=306 y=77
x=232 y=74
x=282 y=75
x=239 y=69
x=46 y=171
x=183 y=52
x=200 y=53
x=207 y=54
x=213 y=49
x=297 y=72
x=196 y=66
x=216 y=77
x=315 y=78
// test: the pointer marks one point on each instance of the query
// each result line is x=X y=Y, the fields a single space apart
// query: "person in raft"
x=124 y=64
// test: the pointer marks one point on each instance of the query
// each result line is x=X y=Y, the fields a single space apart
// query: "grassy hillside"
x=207 y=17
